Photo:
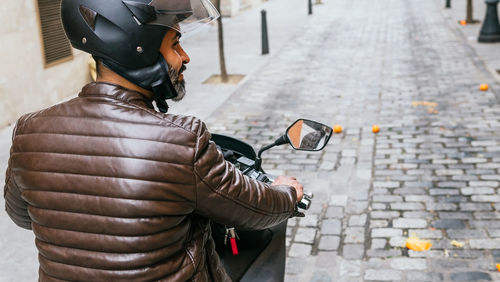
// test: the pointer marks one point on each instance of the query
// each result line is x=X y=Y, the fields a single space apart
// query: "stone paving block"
x=473 y=160
x=466 y=254
x=378 y=244
x=378 y=223
x=310 y=220
x=448 y=223
x=485 y=198
x=331 y=227
x=470 y=276
x=486 y=215
x=383 y=275
x=387 y=198
x=465 y=177
x=475 y=207
x=384 y=253
x=353 y=251
x=410 y=191
x=465 y=233
x=450 y=264
x=377 y=263
x=386 y=232
x=356 y=207
x=427 y=254
x=397 y=242
x=426 y=233
x=350 y=268
x=408 y=264
x=452 y=199
x=327 y=165
x=484 y=224
x=483 y=143
x=490 y=177
x=338 y=200
x=419 y=198
x=357 y=220
x=384 y=214
x=449 y=172
x=417 y=214
x=386 y=184
x=378 y=206
x=305 y=235
x=407 y=206
x=321 y=276
x=451 y=184
x=299 y=250
x=494 y=232
x=329 y=243
x=334 y=212
x=443 y=192
x=354 y=235
x=409 y=223
x=441 y=206
x=412 y=276
x=294 y=265
x=492 y=184
x=487 y=244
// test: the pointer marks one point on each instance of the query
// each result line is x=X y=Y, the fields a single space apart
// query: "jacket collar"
x=116 y=92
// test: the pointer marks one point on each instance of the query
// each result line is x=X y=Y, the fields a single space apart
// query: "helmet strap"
x=154 y=78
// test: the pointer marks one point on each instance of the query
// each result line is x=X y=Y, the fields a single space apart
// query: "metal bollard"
x=310 y=6
x=448 y=4
x=265 y=41
x=490 y=31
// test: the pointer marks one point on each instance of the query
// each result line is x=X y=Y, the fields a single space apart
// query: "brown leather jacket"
x=116 y=191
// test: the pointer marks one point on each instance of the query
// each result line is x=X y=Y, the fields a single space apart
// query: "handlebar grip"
x=304 y=203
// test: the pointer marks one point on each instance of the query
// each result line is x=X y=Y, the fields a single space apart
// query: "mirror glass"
x=308 y=135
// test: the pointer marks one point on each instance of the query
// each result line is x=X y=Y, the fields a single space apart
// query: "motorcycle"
x=259 y=255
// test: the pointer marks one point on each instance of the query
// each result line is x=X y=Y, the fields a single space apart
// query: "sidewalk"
x=487 y=52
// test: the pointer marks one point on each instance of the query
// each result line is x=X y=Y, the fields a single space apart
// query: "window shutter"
x=56 y=47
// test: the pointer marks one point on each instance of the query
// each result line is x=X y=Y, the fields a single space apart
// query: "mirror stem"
x=258 y=160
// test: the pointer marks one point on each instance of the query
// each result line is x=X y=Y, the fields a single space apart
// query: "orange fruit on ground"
x=337 y=128
x=483 y=87
x=375 y=128
x=418 y=245
x=462 y=22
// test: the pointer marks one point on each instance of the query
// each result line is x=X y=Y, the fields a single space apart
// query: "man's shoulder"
x=191 y=124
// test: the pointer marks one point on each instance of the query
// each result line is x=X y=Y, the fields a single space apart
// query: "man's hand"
x=290 y=181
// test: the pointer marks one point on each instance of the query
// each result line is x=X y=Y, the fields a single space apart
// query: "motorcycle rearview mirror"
x=302 y=135
x=308 y=135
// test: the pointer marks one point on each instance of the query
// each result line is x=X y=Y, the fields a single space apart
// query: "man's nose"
x=184 y=56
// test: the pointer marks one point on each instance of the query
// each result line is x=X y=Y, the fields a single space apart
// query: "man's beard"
x=179 y=85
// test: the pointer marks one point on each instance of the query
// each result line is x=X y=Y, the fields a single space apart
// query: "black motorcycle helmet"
x=126 y=35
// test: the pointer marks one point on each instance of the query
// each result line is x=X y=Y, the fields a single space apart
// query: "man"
x=115 y=190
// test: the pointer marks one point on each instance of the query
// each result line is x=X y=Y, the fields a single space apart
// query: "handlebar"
x=249 y=171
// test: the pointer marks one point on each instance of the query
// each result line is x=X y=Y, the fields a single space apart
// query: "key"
x=232 y=240
x=225 y=236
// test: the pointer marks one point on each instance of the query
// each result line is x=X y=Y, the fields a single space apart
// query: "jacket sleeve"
x=228 y=197
x=16 y=207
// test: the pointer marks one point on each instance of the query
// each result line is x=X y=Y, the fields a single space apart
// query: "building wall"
x=25 y=84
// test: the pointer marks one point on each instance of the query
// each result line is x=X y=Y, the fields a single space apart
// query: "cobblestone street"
x=431 y=172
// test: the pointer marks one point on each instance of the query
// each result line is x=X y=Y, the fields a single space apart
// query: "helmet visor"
x=183 y=15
